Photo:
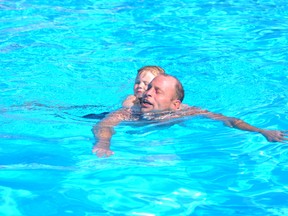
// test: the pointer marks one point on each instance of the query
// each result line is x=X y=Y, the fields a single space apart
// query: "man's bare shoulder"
x=123 y=114
x=191 y=110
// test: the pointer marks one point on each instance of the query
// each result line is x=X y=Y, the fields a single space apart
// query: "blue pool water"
x=61 y=60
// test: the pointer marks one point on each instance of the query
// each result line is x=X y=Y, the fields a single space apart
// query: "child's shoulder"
x=129 y=101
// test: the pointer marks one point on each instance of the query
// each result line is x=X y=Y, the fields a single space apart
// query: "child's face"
x=141 y=83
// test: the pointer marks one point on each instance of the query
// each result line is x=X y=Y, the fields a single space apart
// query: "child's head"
x=144 y=77
x=155 y=70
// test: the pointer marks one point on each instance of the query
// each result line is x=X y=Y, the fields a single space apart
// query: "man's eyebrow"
x=158 y=89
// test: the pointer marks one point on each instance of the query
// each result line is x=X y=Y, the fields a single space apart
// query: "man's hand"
x=103 y=131
x=275 y=135
x=102 y=150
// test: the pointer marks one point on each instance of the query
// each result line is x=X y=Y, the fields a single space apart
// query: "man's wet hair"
x=179 y=90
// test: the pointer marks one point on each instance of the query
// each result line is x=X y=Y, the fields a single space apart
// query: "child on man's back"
x=145 y=75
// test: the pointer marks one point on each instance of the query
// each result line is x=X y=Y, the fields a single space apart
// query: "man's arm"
x=103 y=132
x=270 y=135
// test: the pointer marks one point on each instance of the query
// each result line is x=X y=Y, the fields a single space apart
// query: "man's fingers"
x=102 y=152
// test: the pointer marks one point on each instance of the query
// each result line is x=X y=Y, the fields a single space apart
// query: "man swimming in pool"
x=162 y=101
x=144 y=76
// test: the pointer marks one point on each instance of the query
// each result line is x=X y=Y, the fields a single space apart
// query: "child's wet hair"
x=155 y=70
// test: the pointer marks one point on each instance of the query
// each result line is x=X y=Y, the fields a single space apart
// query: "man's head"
x=165 y=92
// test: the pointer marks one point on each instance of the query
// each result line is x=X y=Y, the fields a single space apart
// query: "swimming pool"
x=61 y=60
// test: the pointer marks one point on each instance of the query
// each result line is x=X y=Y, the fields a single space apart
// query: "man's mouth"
x=145 y=103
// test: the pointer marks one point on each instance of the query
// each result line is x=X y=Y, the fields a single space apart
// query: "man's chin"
x=146 y=109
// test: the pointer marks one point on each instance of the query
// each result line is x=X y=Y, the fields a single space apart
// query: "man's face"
x=160 y=95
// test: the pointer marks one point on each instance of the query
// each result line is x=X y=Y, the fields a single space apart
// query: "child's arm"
x=129 y=101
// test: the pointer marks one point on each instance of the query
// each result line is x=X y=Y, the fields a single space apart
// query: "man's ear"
x=176 y=104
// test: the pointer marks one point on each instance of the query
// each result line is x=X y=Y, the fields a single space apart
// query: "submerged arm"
x=270 y=135
x=104 y=131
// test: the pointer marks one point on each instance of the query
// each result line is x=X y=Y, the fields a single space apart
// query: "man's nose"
x=148 y=92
